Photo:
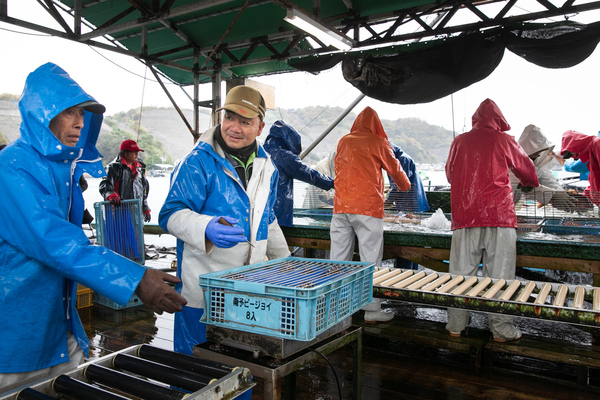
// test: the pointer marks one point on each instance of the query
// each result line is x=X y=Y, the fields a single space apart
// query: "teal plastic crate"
x=291 y=298
x=134 y=301
x=572 y=226
x=121 y=228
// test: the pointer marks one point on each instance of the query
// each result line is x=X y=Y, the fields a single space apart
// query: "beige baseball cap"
x=245 y=101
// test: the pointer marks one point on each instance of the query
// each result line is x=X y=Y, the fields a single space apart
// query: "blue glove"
x=223 y=234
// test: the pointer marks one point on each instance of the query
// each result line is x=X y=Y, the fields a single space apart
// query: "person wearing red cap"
x=126 y=178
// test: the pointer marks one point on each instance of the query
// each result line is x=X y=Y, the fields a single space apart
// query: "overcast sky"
x=556 y=100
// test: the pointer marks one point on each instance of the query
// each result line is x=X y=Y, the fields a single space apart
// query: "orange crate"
x=84 y=297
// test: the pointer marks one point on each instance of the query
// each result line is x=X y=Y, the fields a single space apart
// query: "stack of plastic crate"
x=121 y=229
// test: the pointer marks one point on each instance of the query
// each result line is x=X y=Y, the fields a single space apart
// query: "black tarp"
x=427 y=74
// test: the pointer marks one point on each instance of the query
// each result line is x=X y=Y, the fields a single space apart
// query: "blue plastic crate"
x=134 y=301
x=121 y=228
x=291 y=298
x=572 y=226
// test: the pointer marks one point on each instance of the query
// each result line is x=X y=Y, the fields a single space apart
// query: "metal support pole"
x=196 y=95
x=333 y=125
x=216 y=89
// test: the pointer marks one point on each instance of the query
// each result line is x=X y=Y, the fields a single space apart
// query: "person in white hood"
x=540 y=150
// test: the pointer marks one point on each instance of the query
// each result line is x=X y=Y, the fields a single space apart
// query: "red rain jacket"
x=587 y=149
x=361 y=155
x=477 y=169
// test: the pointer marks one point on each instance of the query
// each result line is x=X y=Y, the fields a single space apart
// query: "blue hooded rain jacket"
x=43 y=250
x=415 y=200
x=284 y=145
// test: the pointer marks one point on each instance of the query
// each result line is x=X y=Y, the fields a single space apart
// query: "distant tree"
x=9 y=97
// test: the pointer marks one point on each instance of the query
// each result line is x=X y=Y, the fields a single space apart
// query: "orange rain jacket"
x=361 y=155
x=477 y=169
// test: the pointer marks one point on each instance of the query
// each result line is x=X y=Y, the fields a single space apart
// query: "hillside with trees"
x=166 y=138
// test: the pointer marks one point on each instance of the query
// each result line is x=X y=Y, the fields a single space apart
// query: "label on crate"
x=260 y=311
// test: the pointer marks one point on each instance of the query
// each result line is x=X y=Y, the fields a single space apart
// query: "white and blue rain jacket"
x=205 y=185
x=43 y=250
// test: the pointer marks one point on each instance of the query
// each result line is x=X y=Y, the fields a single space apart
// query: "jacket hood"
x=577 y=143
x=489 y=116
x=368 y=121
x=48 y=91
x=284 y=136
x=532 y=140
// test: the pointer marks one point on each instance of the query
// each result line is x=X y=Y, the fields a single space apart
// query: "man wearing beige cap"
x=220 y=207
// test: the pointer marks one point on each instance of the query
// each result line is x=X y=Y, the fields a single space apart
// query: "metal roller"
x=579 y=297
x=387 y=275
x=184 y=361
x=80 y=390
x=410 y=280
x=380 y=272
x=527 y=290
x=494 y=289
x=392 y=278
x=452 y=284
x=438 y=282
x=510 y=290
x=130 y=384
x=543 y=294
x=465 y=285
x=480 y=287
x=561 y=295
x=422 y=282
x=182 y=379
x=30 y=394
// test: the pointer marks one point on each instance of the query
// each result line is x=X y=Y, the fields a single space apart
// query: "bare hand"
x=157 y=295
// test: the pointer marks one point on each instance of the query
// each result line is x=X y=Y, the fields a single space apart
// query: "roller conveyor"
x=142 y=372
x=552 y=301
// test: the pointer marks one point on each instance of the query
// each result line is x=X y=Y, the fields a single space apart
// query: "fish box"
x=290 y=298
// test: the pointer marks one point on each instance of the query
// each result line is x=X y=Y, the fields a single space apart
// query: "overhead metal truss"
x=143 y=20
x=192 y=42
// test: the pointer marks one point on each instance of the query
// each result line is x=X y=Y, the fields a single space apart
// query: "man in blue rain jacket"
x=284 y=145
x=415 y=200
x=220 y=207
x=43 y=250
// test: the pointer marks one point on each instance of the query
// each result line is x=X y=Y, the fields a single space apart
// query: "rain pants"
x=358 y=202
x=122 y=180
x=205 y=185
x=284 y=145
x=43 y=250
x=415 y=200
x=587 y=149
x=533 y=141
x=484 y=221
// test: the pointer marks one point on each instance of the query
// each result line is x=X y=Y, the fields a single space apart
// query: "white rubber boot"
x=374 y=313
